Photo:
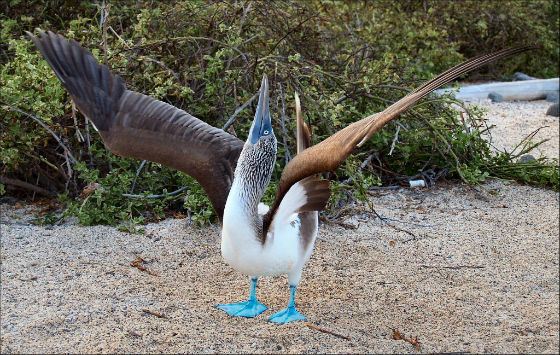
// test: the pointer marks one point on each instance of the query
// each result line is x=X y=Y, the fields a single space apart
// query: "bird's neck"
x=242 y=206
x=242 y=222
x=250 y=180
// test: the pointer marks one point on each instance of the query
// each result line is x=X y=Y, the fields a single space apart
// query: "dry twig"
x=173 y=193
x=25 y=185
x=453 y=267
x=42 y=124
x=138 y=171
x=79 y=136
x=326 y=331
x=395 y=139
x=154 y=313
x=103 y=24
x=237 y=111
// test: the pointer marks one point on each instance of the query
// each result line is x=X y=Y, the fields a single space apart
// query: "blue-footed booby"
x=256 y=241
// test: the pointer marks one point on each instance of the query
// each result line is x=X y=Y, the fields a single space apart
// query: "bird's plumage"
x=309 y=220
x=306 y=196
x=331 y=152
x=135 y=125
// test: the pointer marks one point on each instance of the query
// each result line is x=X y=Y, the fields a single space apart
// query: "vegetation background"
x=346 y=59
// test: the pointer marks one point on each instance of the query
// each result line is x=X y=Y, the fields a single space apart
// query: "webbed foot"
x=248 y=309
x=287 y=315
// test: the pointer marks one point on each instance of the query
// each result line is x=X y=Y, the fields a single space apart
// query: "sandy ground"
x=515 y=121
x=461 y=270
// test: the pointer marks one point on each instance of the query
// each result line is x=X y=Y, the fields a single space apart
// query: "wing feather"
x=306 y=196
x=135 y=125
x=331 y=152
x=303 y=134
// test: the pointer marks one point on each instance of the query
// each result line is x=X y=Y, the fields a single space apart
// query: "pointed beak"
x=262 y=124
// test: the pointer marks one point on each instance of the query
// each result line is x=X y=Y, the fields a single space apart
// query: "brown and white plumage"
x=137 y=126
x=314 y=191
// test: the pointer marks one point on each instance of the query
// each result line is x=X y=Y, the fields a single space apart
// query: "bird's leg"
x=290 y=313
x=250 y=308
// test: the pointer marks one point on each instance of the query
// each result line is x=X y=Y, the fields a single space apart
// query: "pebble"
x=526 y=158
x=495 y=97
x=553 y=110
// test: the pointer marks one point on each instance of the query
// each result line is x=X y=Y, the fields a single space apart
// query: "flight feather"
x=135 y=125
x=331 y=152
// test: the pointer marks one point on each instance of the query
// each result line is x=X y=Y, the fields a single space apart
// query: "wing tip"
x=95 y=90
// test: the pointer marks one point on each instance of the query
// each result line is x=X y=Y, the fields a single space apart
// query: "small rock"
x=495 y=97
x=519 y=76
x=526 y=158
x=417 y=183
x=552 y=96
x=553 y=110
x=8 y=200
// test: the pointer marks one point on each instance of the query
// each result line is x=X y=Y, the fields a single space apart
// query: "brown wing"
x=135 y=125
x=330 y=153
x=317 y=191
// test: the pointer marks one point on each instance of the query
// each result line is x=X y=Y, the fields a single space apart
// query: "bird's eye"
x=265 y=131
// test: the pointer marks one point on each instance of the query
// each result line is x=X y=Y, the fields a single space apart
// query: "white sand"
x=514 y=121
x=481 y=275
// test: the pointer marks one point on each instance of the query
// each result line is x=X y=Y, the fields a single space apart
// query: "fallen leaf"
x=413 y=341
x=138 y=263
x=397 y=335
x=154 y=313
x=179 y=215
x=89 y=189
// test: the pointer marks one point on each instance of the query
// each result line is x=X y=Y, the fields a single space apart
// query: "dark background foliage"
x=347 y=59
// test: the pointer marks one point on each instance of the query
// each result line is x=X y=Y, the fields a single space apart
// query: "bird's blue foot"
x=290 y=313
x=248 y=309
x=287 y=315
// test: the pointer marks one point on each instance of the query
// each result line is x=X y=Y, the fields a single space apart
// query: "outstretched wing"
x=135 y=125
x=330 y=153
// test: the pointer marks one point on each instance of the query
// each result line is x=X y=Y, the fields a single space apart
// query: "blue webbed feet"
x=287 y=315
x=290 y=313
x=248 y=309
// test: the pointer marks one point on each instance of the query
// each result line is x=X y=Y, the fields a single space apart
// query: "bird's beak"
x=262 y=124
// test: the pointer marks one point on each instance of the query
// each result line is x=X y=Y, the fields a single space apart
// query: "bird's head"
x=261 y=129
x=257 y=159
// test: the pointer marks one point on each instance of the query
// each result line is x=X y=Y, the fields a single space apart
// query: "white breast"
x=243 y=250
x=282 y=252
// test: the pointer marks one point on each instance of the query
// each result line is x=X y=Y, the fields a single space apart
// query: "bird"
x=256 y=240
